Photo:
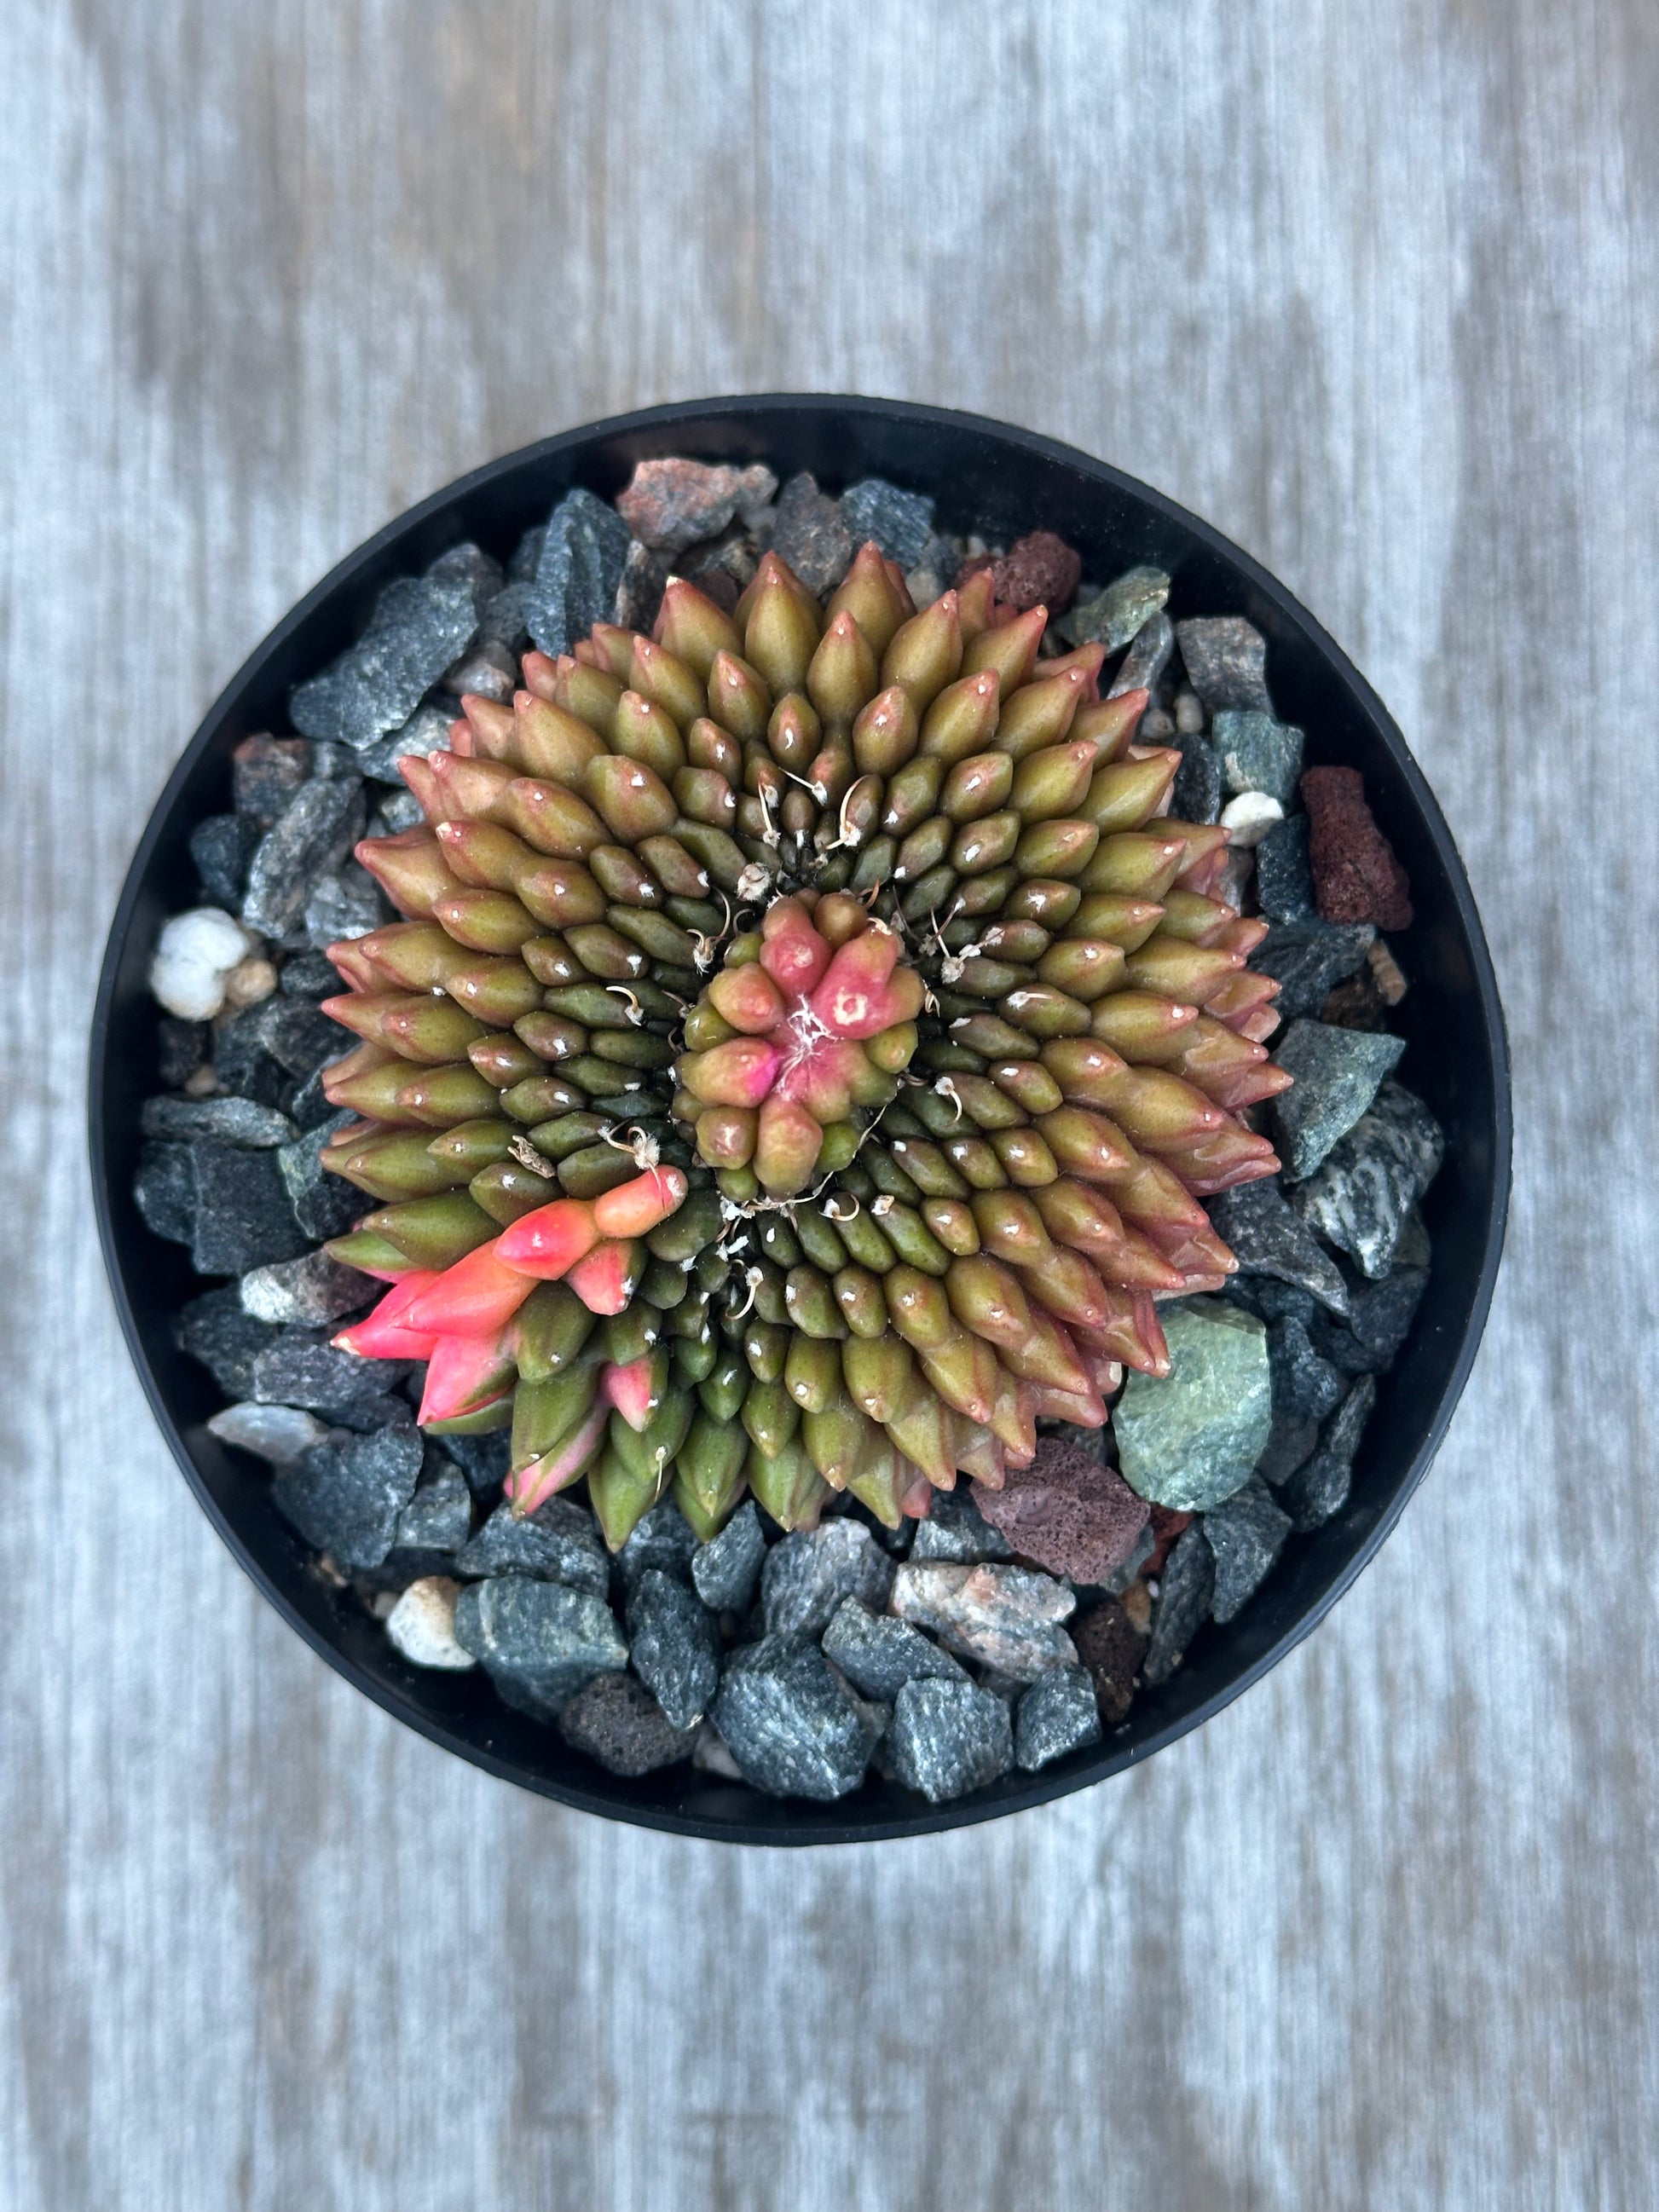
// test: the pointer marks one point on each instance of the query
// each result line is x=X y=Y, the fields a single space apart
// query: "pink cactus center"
x=805 y=1038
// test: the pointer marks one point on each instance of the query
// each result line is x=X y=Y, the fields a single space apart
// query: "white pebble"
x=1188 y=714
x=422 y=1625
x=196 y=953
x=281 y=1434
x=1251 y=817
x=710 y=1756
x=1234 y=880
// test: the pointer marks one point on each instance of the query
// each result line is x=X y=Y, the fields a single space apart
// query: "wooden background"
x=1373 y=289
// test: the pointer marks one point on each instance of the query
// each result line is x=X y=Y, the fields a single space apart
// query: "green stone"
x=1258 y=753
x=1338 y=1074
x=1119 y=611
x=1194 y=1437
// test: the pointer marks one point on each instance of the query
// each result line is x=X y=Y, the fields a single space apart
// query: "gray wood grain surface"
x=1372 y=288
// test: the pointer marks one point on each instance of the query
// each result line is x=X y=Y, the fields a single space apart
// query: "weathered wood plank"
x=1372 y=288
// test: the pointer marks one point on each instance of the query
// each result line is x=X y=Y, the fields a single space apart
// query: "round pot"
x=1001 y=481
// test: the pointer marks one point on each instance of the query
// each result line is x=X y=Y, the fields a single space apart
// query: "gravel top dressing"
x=873 y=1182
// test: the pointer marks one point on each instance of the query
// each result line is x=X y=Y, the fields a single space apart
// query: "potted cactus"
x=819 y=1057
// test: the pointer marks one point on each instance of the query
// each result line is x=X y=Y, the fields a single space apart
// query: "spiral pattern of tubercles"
x=804 y=1057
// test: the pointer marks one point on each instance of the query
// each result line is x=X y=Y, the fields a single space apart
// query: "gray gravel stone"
x=542 y=1641
x=1146 y=660
x=1003 y=1617
x=483 y=1460
x=214 y=1329
x=1268 y=1238
x=226 y=1121
x=526 y=554
x=439 y=1517
x=1321 y=1488
x=810 y=1572
x=936 y=571
x=222 y=847
x=1308 y=959
x=1338 y=1074
x=1196 y=795
x=813 y=536
x=663 y=1539
x=164 y=1191
x=394 y=812
x=948 y=1738
x=901 y=522
x=1226 y=659
x=1361 y=1195
x=302 y=1368
x=307 y=843
x=1145 y=1545
x=311 y=975
x=298 y=1035
x=1192 y=1437
x=280 y=1434
x=1382 y=1315
x=618 y=1721
x=324 y=1205
x=791 y=1728
x=181 y=1047
x=426 y=731
x=419 y=626
x=1245 y=1536
x=308 y=1291
x=1183 y=1598
x=346 y=903
x=1304 y=1382
x=345 y=1496
x=1284 y=877
x=675 y=1645
x=1116 y=615
x=243 y=1218
x=1257 y=753
x=1056 y=1715
x=490 y=671
x=879 y=1654
x=956 y=1530
x=559 y=1543
x=1306 y=1388
x=577 y=573
x=725 y=1571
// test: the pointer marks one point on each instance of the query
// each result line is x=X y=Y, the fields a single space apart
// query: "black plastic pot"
x=1000 y=482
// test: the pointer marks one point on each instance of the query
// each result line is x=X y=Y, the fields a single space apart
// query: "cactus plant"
x=802 y=1059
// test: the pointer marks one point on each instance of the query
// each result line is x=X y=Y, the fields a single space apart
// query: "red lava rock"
x=1041 y=570
x=972 y=565
x=1167 y=1525
x=1112 y=1648
x=1356 y=876
x=1068 y=1512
